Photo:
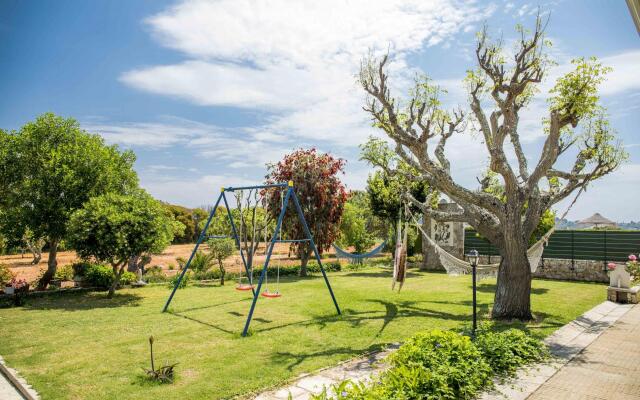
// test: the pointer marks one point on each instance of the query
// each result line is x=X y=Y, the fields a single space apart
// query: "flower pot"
x=9 y=290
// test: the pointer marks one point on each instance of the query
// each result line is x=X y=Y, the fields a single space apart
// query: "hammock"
x=456 y=266
x=400 y=259
x=355 y=257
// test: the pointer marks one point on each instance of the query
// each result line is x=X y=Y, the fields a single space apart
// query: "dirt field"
x=21 y=266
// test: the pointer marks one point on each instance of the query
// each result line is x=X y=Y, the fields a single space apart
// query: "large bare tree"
x=499 y=89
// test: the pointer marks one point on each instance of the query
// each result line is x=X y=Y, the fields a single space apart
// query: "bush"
x=155 y=275
x=97 y=275
x=446 y=365
x=455 y=367
x=64 y=273
x=183 y=284
x=5 y=275
x=508 y=350
x=127 y=278
x=80 y=268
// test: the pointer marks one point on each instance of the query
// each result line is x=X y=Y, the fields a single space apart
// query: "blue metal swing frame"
x=291 y=194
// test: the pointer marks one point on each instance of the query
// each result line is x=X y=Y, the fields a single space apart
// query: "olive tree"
x=113 y=228
x=49 y=169
x=220 y=249
x=499 y=90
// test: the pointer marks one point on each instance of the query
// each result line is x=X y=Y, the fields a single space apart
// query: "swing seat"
x=271 y=295
x=244 y=287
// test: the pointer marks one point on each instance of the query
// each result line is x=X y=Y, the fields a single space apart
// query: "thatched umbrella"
x=597 y=220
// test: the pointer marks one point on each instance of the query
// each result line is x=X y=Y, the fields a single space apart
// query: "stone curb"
x=8 y=383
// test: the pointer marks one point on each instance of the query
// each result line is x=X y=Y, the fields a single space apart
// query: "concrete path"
x=607 y=369
x=568 y=345
x=357 y=370
x=8 y=391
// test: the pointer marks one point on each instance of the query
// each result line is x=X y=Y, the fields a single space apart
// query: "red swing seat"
x=244 y=287
x=270 y=295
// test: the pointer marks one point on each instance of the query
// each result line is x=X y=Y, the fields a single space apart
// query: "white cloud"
x=296 y=60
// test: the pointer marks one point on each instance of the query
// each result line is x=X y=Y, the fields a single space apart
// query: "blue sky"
x=207 y=92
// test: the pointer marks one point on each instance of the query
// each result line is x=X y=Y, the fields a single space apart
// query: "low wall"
x=562 y=269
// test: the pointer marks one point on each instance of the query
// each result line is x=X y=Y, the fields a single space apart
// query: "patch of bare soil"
x=167 y=260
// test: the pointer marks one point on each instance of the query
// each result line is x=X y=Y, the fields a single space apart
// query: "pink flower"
x=632 y=257
x=611 y=266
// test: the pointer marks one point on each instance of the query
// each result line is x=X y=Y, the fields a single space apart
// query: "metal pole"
x=193 y=253
x=313 y=246
x=473 y=269
x=266 y=263
x=235 y=235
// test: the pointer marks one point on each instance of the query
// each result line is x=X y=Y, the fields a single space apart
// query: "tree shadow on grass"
x=491 y=288
x=212 y=305
x=294 y=359
x=207 y=324
x=82 y=301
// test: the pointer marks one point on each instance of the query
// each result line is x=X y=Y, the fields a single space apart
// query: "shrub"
x=155 y=275
x=127 y=278
x=455 y=366
x=64 y=273
x=183 y=284
x=508 y=350
x=80 y=268
x=99 y=276
x=5 y=275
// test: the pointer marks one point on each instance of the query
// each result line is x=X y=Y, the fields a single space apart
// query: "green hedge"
x=446 y=365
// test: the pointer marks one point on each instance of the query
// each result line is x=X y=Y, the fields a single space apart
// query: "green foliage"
x=5 y=275
x=201 y=262
x=55 y=166
x=444 y=364
x=508 y=350
x=220 y=249
x=190 y=219
x=183 y=283
x=447 y=365
x=154 y=275
x=355 y=228
x=65 y=273
x=114 y=227
x=99 y=276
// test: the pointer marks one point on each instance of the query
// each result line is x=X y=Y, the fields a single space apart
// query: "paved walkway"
x=567 y=345
x=607 y=369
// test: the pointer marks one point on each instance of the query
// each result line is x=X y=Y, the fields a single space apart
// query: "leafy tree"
x=190 y=218
x=112 y=228
x=355 y=227
x=48 y=170
x=321 y=194
x=220 y=249
x=385 y=188
x=509 y=86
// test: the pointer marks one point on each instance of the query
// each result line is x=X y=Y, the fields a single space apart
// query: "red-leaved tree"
x=321 y=195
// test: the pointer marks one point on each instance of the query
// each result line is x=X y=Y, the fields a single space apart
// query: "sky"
x=207 y=92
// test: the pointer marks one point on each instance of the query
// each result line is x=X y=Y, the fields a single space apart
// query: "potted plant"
x=16 y=286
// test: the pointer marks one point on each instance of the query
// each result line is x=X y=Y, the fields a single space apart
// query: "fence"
x=572 y=245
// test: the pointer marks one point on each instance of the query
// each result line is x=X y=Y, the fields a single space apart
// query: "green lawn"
x=85 y=346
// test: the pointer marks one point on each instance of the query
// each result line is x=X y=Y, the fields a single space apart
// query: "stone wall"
x=565 y=270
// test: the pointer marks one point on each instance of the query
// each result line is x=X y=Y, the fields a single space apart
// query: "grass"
x=84 y=346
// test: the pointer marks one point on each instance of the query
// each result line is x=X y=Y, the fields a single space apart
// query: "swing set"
x=276 y=238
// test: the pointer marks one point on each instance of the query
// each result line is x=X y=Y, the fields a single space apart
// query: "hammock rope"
x=455 y=266
x=341 y=253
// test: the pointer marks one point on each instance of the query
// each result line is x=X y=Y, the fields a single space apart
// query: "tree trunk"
x=513 y=292
x=52 y=264
x=304 y=259
x=222 y=272
x=117 y=272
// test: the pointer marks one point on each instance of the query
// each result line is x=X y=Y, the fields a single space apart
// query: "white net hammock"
x=456 y=266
